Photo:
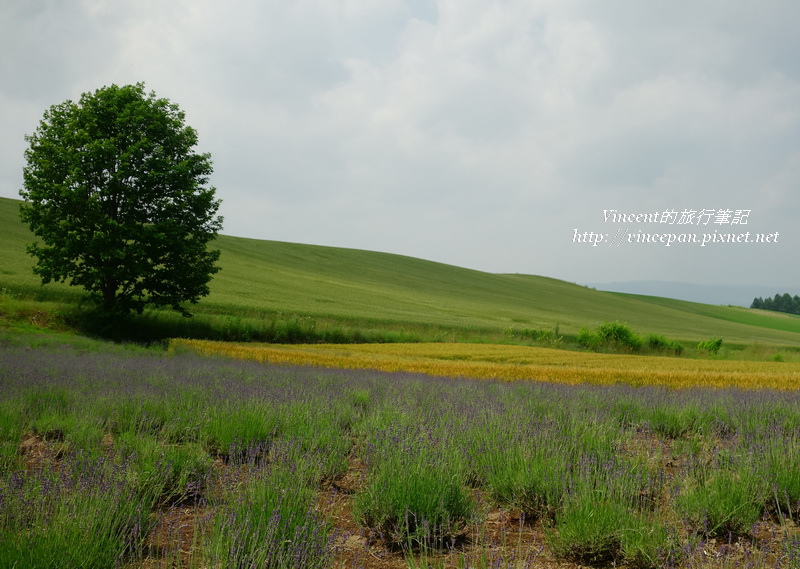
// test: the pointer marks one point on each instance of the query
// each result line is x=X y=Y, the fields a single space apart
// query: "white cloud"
x=478 y=133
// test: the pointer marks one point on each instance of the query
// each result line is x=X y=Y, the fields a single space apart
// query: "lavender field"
x=132 y=458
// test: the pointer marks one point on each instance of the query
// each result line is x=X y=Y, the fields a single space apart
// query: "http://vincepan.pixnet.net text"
x=670 y=227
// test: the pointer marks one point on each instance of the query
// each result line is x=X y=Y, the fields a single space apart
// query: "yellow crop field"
x=515 y=363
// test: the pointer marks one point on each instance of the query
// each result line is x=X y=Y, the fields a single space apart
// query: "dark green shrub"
x=620 y=335
x=542 y=335
x=588 y=339
x=659 y=343
x=617 y=336
x=589 y=531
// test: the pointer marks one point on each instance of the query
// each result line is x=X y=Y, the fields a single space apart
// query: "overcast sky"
x=476 y=133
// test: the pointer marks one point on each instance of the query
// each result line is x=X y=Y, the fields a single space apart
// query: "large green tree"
x=120 y=201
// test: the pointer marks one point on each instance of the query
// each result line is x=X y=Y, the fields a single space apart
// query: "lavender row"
x=612 y=474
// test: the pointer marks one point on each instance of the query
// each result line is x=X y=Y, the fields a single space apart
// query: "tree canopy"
x=121 y=201
x=780 y=303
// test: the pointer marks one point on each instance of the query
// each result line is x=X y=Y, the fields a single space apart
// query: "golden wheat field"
x=515 y=363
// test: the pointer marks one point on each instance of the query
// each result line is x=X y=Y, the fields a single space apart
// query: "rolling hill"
x=261 y=278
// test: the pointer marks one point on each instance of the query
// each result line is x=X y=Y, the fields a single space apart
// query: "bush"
x=675 y=422
x=534 y=480
x=659 y=343
x=235 y=432
x=595 y=529
x=269 y=521
x=727 y=503
x=542 y=335
x=712 y=345
x=781 y=469
x=649 y=544
x=174 y=474
x=589 y=531
x=620 y=335
x=415 y=497
x=588 y=339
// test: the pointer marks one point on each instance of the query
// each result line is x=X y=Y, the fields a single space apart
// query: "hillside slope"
x=263 y=277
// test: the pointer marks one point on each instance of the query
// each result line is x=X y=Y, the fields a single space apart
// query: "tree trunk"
x=109 y=293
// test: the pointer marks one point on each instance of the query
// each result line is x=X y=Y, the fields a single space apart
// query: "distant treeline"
x=779 y=303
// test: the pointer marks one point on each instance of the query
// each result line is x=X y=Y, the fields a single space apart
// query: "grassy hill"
x=260 y=279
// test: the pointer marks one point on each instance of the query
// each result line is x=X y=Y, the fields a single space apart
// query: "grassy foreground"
x=118 y=457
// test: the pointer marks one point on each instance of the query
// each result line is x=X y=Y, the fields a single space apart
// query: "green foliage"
x=120 y=201
x=233 y=429
x=530 y=478
x=677 y=421
x=588 y=339
x=359 y=398
x=415 y=496
x=270 y=522
x=612 y=335
x=57 y=518
x=619 y=334
x=172 y=473
x=317 y=433
x=659 y=343
x=780 y=461
x=542 y=335
x=589 y=530
x=724 y=502
x=712 y=345
x=779 y=303
x=11 y=429
x=69 y=432
x=596 y=529
x=647 y=544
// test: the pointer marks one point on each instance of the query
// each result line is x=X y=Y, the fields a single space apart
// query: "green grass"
x=724 y=503
x=285 y=292
x=57 y=518
x=415 y=496
x=269 y=521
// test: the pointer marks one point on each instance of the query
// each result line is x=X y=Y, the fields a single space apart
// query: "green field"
x=364 y=290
